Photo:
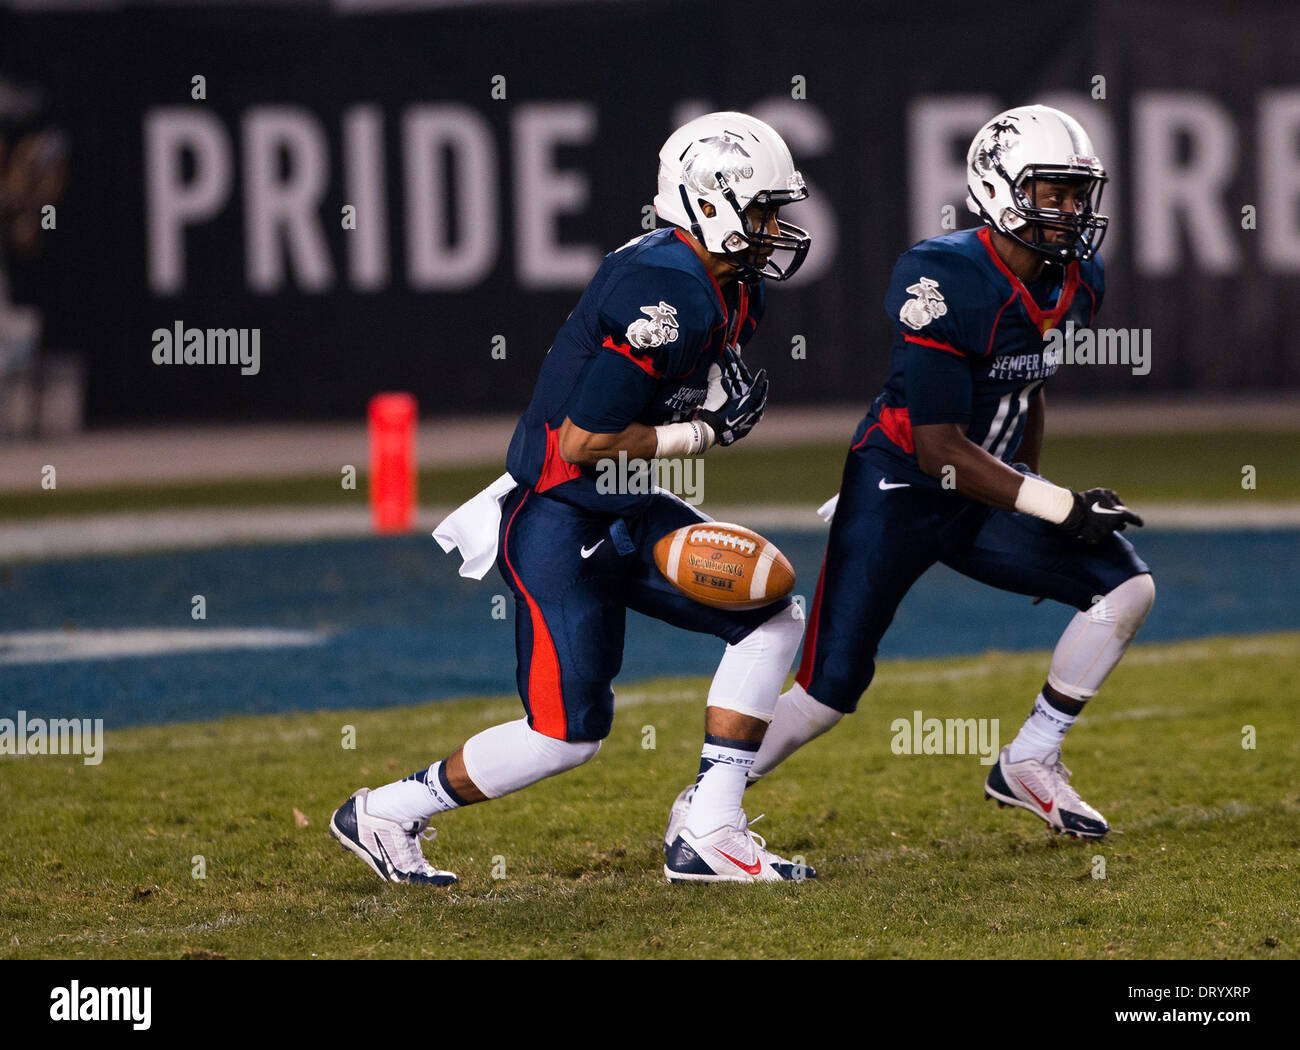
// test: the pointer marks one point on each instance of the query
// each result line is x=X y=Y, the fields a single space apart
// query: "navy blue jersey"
x=969 y=345
x=636 y=349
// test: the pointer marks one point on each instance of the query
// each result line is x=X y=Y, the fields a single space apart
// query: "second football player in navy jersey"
x=944 y=466
x=969 y=345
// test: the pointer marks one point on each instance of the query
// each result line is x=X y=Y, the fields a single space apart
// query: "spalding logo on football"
x=725 y=566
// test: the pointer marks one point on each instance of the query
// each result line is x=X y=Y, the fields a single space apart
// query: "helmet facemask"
x=746 y=247
x=1084 y=229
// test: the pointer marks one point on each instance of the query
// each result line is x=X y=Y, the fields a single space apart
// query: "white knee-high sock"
x=748 y=681
x=418 y=797
x=508 y=757
x=750 y=675
x=1096 y=638
x=720 y=784
x=1093 y=642
x=798 y=719
x=499 y=760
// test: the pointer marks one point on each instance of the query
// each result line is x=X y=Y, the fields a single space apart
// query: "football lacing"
x=726 y=539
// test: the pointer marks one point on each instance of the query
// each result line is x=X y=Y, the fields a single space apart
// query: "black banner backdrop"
x=491 y=156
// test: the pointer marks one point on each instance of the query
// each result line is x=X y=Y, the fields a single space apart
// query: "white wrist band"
x=682 y=439
x=1044 y=500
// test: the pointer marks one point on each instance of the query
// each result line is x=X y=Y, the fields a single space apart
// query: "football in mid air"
x=725 y=566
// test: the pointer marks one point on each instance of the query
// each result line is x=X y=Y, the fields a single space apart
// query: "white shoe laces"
x=1059 y=776
x=748 y=826
x=412 y=858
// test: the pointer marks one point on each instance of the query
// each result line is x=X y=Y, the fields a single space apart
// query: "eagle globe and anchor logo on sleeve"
x=682 y=476
x=1071 y=345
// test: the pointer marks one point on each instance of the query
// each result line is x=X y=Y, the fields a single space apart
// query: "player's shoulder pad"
x=653 y=306
x=938 y=291
x=1093 y=273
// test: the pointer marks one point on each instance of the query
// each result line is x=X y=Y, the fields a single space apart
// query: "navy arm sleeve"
x=937 y=385
x=930 y=298
x=613 y=392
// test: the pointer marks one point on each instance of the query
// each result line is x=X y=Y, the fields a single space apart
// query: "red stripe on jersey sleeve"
x=921 y=340
x=643 y=361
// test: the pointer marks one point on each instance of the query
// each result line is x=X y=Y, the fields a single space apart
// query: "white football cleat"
x=390 y=849
x=729 y=854
x=1044 y=789
x=677 y=816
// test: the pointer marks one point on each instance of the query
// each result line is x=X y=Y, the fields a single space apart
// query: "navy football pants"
x=570 y=610
x=882 y=540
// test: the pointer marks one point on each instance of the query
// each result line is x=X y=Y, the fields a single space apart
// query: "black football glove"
x=1097 y=513
x=745 y=398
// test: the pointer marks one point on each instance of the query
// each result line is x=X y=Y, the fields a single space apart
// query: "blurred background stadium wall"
x=387 y=192
x=410 y=196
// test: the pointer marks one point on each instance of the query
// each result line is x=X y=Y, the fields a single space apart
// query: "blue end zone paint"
x=407 y=629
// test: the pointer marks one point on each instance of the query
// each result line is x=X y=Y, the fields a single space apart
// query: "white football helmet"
x=731 y=161
x=1015 y=150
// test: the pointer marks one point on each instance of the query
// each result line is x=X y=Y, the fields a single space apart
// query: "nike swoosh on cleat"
x=587 y=552
x=752 y=869
x=388 y=861
x=886 y=485
x=1047 y=806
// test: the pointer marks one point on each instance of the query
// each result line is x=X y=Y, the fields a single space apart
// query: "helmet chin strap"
x=696 y=232
x=746 y=271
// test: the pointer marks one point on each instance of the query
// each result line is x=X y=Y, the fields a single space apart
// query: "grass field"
x=98 y=860
x=1163 y=467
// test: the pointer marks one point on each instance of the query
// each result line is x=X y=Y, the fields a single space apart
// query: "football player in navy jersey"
x=944 y=466
x=647 y=365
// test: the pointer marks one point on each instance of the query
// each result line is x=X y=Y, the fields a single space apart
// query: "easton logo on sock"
x=722 y=751
x=1043 y=708
x=728 y=759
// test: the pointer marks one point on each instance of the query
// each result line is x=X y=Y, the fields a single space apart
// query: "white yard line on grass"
x=56 y=647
